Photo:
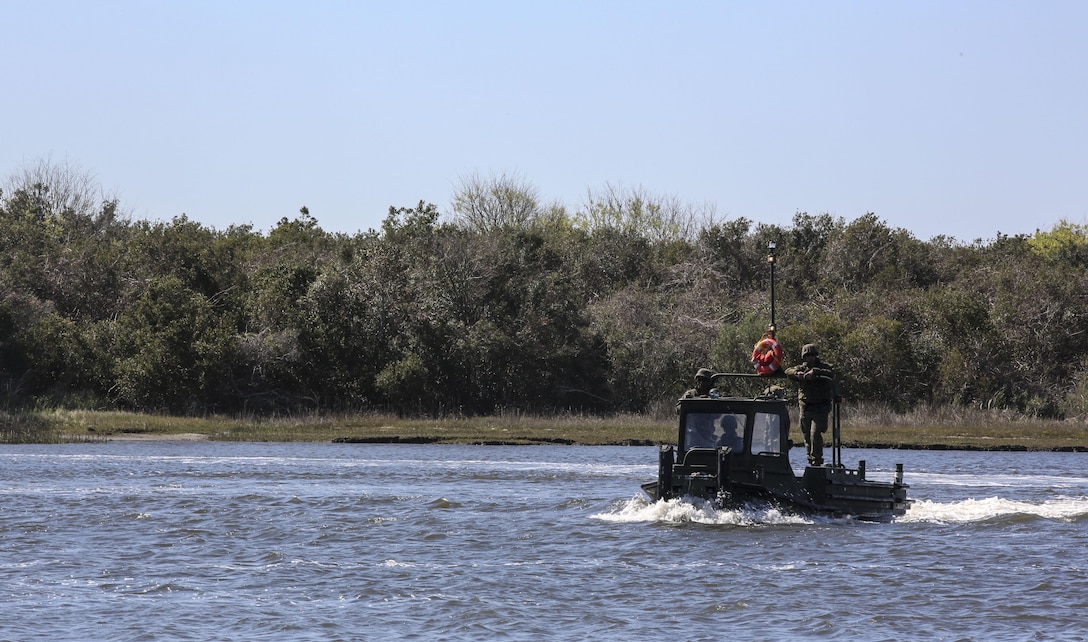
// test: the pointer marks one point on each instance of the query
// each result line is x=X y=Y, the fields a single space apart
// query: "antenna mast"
x=771 y=261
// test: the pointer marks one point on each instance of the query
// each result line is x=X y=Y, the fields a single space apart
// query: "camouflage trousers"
x=813 y=426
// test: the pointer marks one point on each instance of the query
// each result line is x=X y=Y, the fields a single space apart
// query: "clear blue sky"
x=961 y=118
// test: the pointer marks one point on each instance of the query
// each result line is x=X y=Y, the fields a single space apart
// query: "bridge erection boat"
x=735 y=452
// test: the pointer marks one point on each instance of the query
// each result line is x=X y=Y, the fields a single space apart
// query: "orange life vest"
x=767 y=356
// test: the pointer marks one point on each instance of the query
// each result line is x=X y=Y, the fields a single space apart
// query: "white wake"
x=980 y=510
x=687 y=510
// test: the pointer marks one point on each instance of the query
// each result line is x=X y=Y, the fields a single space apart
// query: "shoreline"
x=923 y=431
x=182 y=436
x=423 y=440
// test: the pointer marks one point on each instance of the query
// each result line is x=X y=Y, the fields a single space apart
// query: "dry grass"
x=25 y=428
x=509 y=428
x=946 y=426
x=863 y=425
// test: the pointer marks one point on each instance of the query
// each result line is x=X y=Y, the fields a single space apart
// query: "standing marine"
x=815 y=394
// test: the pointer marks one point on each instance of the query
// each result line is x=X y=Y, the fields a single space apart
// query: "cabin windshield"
x=713 y=429
x=766 y=433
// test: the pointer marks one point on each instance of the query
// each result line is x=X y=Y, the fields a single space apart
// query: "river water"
x=273 y=541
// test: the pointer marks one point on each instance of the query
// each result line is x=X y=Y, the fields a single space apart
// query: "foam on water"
x=688 y=510
x=980 y=510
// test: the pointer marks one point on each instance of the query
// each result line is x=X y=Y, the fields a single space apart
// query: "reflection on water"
x=196 y=541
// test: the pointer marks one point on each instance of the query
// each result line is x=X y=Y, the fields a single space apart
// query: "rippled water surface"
x=223 y=541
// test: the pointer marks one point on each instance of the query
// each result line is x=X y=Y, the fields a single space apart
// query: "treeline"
x=509 y=303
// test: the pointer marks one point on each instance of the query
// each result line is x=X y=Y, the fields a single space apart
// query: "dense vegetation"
x=510 y=304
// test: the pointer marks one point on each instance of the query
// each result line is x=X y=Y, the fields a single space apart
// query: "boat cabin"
x=729 y=446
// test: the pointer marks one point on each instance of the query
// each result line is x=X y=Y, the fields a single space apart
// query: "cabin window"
x=713 y=429
x=766 y=433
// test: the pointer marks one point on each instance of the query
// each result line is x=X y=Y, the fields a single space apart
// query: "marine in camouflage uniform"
x=815 y=394
x=704 y=385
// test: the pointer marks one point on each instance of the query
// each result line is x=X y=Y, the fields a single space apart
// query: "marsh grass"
x=863 y=425
x=868 y=424
x=26 y=428
x=505 y=428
